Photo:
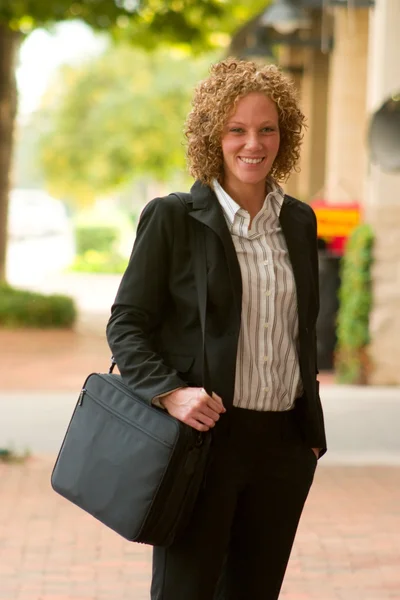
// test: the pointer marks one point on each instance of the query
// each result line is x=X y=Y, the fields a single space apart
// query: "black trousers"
x=239 y=540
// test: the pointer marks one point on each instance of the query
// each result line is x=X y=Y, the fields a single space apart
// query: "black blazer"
x=154 y=329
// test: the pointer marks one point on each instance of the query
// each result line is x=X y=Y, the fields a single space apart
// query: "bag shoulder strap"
x=198 y=247
x=184 y=197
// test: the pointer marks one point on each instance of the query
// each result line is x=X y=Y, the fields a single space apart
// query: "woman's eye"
x=268 y=129
x=236 y=130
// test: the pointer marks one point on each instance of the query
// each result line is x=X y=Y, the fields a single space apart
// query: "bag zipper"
x=120 y=417
x=80 y=397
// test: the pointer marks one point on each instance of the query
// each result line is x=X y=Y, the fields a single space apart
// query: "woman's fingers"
x=218 y=398
x=214 y=402
x=206 y=420
x=207 y=409
x=197 y=425
x=206 y=413
x=194 y=407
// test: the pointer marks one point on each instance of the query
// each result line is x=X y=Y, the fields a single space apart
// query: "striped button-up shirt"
x=267 y=365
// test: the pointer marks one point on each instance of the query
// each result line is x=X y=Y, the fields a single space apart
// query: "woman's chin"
x=252 y=178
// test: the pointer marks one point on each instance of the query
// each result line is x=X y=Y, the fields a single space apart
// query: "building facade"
x=346 y=64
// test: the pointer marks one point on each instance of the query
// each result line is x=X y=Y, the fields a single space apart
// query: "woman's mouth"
x=251 y=161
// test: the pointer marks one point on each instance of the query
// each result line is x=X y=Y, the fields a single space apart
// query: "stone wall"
x=382 y=200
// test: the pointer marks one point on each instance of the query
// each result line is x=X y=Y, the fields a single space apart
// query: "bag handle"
x=200 y=271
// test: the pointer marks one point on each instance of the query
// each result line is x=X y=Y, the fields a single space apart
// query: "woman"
x=244 y=134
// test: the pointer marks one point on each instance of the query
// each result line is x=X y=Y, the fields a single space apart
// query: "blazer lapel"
x=293 y=229
x=207 y=210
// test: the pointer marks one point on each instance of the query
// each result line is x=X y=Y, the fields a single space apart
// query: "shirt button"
x=266 y=325
x=265 y=358
x=266 y=389
x=265 y=262
x=268 y=293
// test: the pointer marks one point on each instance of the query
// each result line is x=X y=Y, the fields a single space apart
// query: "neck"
x=248 y=196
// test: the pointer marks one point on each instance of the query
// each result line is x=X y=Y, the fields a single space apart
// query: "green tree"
x=117 y=118
x=197 y=23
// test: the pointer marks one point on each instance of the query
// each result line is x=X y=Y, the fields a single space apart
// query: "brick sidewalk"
x=347 y=548
x=39 y=360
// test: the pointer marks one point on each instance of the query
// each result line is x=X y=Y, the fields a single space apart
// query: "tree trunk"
x=9 y=41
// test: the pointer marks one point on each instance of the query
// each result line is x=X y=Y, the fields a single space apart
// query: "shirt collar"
x=229 y=206
x=275 y=194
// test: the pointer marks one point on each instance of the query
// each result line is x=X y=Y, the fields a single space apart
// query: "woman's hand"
x=194 y=407
x=316 y=451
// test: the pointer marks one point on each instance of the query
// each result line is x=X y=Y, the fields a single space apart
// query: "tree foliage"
x=197 y=24
x=200 y=24
x=116 y=118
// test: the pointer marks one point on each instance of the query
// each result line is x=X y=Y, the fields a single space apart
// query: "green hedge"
x=9 y=456
x=355 y=301
x=20 y=308
x=97 y=252
x=99 y=262
x=95 y=237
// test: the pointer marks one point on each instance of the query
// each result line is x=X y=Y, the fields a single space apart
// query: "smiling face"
x=250 y=143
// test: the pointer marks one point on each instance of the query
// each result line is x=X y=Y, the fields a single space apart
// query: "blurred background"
x=93 y=99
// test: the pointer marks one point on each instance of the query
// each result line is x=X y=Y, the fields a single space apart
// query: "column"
x=314 y=101
x=347 y=110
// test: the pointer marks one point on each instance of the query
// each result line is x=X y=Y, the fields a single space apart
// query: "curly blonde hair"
x=215 y=98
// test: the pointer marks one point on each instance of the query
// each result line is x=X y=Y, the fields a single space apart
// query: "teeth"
x=251 y=161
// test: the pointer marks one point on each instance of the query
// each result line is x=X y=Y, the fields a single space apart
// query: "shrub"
x=20 y=308
x=9 y=456
x=355 y=301
x=95 y=237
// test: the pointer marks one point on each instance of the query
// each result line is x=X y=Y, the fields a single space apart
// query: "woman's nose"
x=253 y=141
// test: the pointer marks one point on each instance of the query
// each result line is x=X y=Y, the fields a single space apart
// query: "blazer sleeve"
x=139 y=306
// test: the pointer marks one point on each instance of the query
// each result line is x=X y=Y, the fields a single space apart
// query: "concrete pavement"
x=362 y=423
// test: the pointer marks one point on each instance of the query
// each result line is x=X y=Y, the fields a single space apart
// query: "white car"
x=40 y=235
x=34 y=213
